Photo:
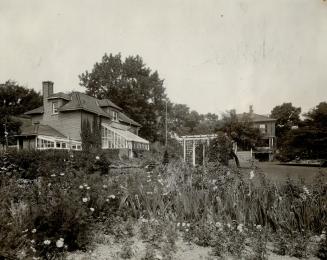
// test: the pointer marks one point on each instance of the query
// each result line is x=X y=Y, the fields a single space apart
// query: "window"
x=115 y=115
x=263 y=128
x=54 y=108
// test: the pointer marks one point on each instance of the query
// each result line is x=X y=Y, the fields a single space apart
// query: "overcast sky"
x=214 y=55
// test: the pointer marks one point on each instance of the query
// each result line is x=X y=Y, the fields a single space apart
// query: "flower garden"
x=71 y=205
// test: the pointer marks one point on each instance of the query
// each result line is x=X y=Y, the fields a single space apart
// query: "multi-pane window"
x=263 y=128
x=55 y=107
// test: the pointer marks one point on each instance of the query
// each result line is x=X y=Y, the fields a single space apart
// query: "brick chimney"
x=251 y=109
x=47 y=89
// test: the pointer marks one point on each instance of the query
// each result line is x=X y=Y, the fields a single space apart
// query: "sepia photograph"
x=163 y=130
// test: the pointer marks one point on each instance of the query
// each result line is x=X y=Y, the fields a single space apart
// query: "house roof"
x=123 y=118
x=255 y=117
x=35 y=111
x=40 y=130
x=81 y=101
x=108 y=103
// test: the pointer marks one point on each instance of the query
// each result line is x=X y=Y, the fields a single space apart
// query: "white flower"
x=112 y=196
x=53 y=175
x=47 y=242
x=81 y=186
x=251 y=174
x=33 y=230
x=183 y=224
x=84 y=200
x=240 y=228
x=228 y=172
x=62 y=174
x=178 y=224
x=25 y=231
x=85 y=185
x=105 y=186
x=215 y=188
x=186 y=230
x=60 y=243
x=92 y=209
x=49 y=184
x=259 y=227
x=88 y=187
x=97 y=157
x=32 y=241
x=218 y=225
x=71 y=156
x=188 y=224
x=228 y=225
x=306 y=190
x=107 y=200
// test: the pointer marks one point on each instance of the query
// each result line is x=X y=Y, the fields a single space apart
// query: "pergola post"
x=184 y=149
x=193 y=153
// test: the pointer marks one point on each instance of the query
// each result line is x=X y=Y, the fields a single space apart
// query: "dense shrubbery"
x=212 y=205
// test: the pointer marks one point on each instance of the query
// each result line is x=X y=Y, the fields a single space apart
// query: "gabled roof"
x=108 y=103
x=81 y=101
x=255 y=117
x=33 y=130
x=35 y=111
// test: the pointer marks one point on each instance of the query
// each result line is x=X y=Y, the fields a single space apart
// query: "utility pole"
x=6 y=135
x=166 y=126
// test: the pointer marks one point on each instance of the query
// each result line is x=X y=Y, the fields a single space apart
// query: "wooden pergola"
x=190 y=142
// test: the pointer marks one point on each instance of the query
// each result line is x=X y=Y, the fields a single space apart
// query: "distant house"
x=266 y=147
x=58 y=123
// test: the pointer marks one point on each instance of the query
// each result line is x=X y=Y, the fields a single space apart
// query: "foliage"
x=211 y=205
x=220 y=149
x=287 y=116
x=309 y=140
x=240 y=130
x=134 y=87
x=16 y=100
x=33 y=164
x=91 y=134
x=12 y=127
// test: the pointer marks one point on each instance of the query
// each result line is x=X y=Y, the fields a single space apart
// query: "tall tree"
x=309 y=140
x=287 y=116
x=134 y=87
x=15 y=99
x=241 y=130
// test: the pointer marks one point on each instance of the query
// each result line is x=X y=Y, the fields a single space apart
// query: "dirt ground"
x=185 y=251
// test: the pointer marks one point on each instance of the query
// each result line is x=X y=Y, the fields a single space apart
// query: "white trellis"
x=190 y=142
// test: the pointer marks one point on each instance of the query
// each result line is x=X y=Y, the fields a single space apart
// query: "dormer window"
x=115 y=116
x=55 y=107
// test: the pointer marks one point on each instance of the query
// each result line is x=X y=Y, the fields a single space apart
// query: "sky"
x=214 y=55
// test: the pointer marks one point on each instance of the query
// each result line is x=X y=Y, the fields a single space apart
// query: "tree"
x=309 y=140
x=15 y=99
x=286 y=116
x=240 y=130
x=132 y=86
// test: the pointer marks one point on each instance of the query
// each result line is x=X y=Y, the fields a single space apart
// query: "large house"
x=58 y=123
x=266 y=147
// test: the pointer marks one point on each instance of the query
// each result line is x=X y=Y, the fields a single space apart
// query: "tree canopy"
x=309 y=140
x=134 y=87
x=15 y=99
x=287 y=116
x=240 y=130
